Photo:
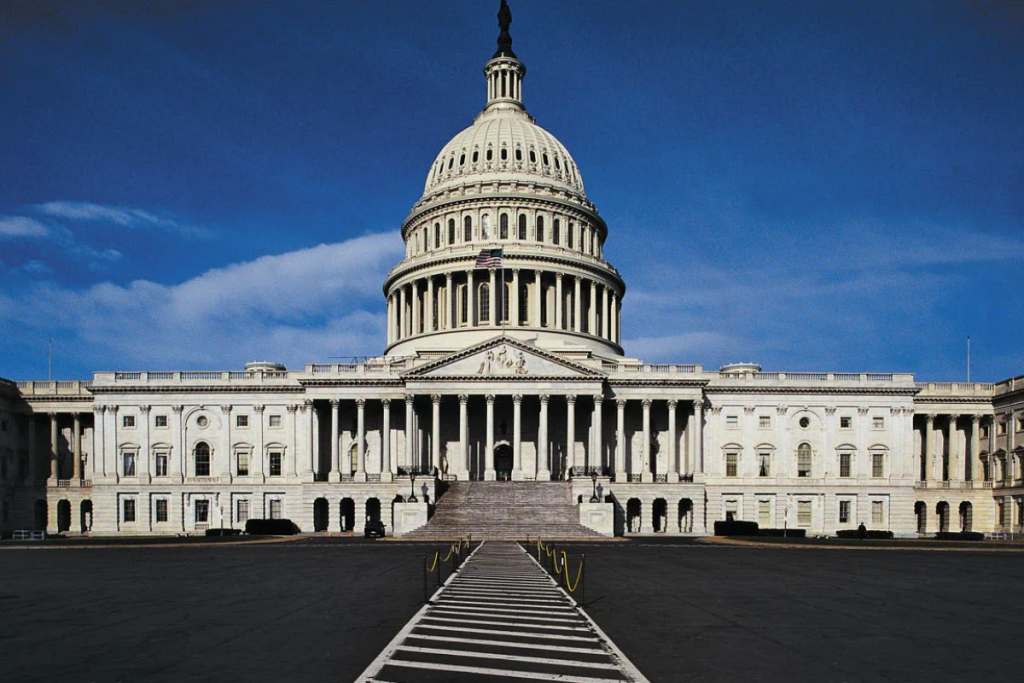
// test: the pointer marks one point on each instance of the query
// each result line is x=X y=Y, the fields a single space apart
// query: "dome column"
x=605 y=330
x=558 y=302
x=513 y=313
x=470 y=298
x=491 y=300
x=415 y=307
x=428 y=312
x=538 y=296
x=448 y=298
x=576 y=311
x=592 y=310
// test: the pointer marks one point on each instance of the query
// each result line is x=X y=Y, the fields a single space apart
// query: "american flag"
x=489 y=258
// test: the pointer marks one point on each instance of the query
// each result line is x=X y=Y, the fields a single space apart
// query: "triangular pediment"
x=503 y=358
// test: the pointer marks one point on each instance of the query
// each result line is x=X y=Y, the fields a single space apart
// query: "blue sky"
x=814 y=186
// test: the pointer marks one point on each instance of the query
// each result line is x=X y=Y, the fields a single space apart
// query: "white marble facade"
x=509 y=371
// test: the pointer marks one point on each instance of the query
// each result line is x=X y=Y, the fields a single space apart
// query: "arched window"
x=426 y=238
x=506 y=292
x=451 y=162
x=519 y=154
x=522 y=226
x=504 y=154
x=490 y=154
x=467 y=229
x=545 y=158
x=555 y=230
x=451 y=231
x=503 y=227
x=803 y=460
x=353 y=457
x=485 y=227
x=437 y=235
x=558 y=166
x=463 y=305
x=533 y=157
x=476 y=155
x=462 y=159
x=540 y=228
x=202 y=459
x=568 y=234
x=524 y=303
x=484 y=308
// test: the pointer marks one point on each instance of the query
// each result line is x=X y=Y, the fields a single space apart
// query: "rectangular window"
x=803 y=461
x=128 y=458
x=128 y=421
x=160 y=420
x=732 y=421
x=243 y=463
x=764 y=513
x=877 y=512
x=202 y=512
x=731 y=460
x=731 y=510
x=984 y=431
x=275 y=420
x=275 y=508
x=844 y=464
x=202 y=463
x=242 y=510
x=877 y=465
x=844 y=512
x=275 y=463
x=1020 y=424
x=764 y=464
x=803 y=513
x=161 y=465
x=1001 y=429
x=241 y=421
x=846 y=423
x=161 y=509
x=129 y=510
x=765 y=422
x=878 y=422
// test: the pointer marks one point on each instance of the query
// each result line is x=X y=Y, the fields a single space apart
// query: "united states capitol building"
x=504 y=364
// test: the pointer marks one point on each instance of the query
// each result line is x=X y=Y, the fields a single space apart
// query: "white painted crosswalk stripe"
x=501 y=618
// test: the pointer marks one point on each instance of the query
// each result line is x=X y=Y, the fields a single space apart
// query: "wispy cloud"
x=37 y=268
x=14 y=227
x=124 y=216
x=294 y=307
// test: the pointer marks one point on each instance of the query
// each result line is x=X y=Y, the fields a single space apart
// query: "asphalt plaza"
x=322 y=609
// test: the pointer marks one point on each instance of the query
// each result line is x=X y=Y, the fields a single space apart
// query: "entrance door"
x=503 y=462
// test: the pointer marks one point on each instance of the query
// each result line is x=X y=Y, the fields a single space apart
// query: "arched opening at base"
x=660 y=518
x=86 y=516
x=40 y=516
x=966 y=516
x=921 y=512
x=63 y=516
x=372 y=510
x=942 y=512
x=348 y=514
x=634 y=514
x=503 y=463
x=685 y=516
x=321 y=514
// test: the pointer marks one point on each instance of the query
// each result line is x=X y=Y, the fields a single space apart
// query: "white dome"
x=530 y=152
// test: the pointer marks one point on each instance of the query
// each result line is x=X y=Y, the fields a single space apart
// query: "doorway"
x=503 y=462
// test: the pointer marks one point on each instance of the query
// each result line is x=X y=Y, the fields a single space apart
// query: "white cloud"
x=124 y=216
x=37 y=268
x=295 y=307
x=12 y=227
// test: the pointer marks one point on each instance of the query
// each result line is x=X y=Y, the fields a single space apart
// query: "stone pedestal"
x=598 y=516
x=409 y=516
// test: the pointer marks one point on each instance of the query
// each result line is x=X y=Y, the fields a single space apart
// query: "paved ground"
x=302 y=610
x=503 y=619
x=313 y=610
x=697 y=612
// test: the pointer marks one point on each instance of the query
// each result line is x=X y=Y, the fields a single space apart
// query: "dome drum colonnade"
x=504 y=183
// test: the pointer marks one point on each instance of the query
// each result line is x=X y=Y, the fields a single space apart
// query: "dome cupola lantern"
x=504 y=73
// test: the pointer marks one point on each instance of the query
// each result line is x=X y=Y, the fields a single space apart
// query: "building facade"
x=504 y=361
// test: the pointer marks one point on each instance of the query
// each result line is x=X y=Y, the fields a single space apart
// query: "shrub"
x=270 y=527
x=788 y=533
x=223 y=532
x=960 y=536
x=736 y=528
x=874 y=534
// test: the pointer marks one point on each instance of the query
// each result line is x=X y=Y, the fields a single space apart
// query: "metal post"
x=438 y=564
x=426 y=597
x=583 y=580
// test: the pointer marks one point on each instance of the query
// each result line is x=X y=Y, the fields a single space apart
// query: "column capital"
x=517 y=398
x=409 y=398
x=620 y=402
x=570 y=399
x=435 y=399
x=953 y=417
x=598 y=399
x=646 y=403
x=306 y=405
x=698 y=404
x=113 y=409
x=360 y=402
x=463 y=399
x=144 y=409
x=929 y=418
x=558 y=276
x=515 y=271
x=259 y=408
x=672 y=403
x=176 y=409
x=490 y=399
x=830 y=410
x=335 y=403
x=291 y=408
x=909 y=411
x=226 y=408
x=448 y=276
x=544 y=398
x=862 y=411
x=975 y=418
x=781 y=410
x=386 y=402
x=96 y=409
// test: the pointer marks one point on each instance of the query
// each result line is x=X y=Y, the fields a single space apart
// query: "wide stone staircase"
x=505 y=510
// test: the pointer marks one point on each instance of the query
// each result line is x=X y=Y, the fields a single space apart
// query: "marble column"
x=489 y=453
x=76 y=451
x=415 y=307
x=54 y=462
x=592 y=310
x=470 y=299
x=620 y=440
x=386 y=471
x=449 y=306
x=464 y=465
x=648 y=464
x=293 y=423
x=604 y=314
x=517 y=437
x=538 y=297
x=927 y=438
x=360 y=440
x=559 y=319
x=570 y=435
x=33 y=454
x=435 y=433
x=975 y=447
x=409 y=434
x=513 y=312
x=577 y=324
x=543 y=467
x=698 y=437
x=429 y=308
x=335 y=474
x=597 y=457
x=97 y=442
x=673 y=443
x=955 y=464
x=402 y=317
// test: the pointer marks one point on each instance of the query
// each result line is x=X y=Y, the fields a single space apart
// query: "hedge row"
x=271 y=527
x=960 y=536
x=788 y=533
x=223 y=532
x=868 y=533
x=737 y=528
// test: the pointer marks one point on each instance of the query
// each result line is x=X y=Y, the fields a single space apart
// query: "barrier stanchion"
x=426 y=596
x=437 y=565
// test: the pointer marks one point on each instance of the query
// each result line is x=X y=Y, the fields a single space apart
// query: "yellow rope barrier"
x=451 y=550
x=434 y=566
x=579 y=573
